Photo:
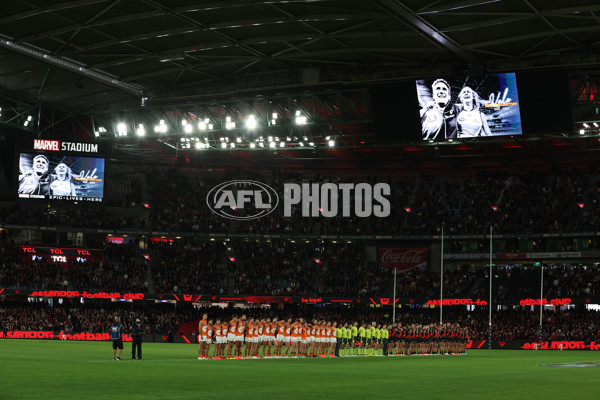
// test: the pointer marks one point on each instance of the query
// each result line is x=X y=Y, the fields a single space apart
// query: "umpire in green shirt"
x=339 y=337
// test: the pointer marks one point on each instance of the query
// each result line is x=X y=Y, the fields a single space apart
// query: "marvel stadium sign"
x=57 y=145
x=248 y=199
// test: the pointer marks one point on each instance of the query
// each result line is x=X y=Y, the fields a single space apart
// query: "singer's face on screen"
x=466 y=95
x=441 y=93
x=61 y=170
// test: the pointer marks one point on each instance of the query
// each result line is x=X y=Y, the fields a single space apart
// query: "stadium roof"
x=92 y=56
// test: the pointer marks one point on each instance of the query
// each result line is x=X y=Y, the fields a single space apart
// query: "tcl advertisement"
x=403 y=259
x=61 y=254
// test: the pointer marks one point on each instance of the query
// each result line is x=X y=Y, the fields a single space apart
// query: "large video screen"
x=61 y=177
x=469 y=107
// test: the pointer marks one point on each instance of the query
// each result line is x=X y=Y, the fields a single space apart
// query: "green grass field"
x=36 y=369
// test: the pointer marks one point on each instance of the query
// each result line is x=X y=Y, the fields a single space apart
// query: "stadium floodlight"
x=300 y=119
x=582 y=131
x=270 y=138
x=251 y=122
x=232 y=145
x=100 y=130
x=331 y=143
x=161 y=127
x=585 y=125
x=239 y=140
x=272 y=145
x=289 y=139
x=229 y=124
x=252 y=145
x=281 y=144
x=595 y=123
x=312 y=144
x=301 y=144
x=262 y=144
x=204 y=125
x=199 y=145
x=327 y=137
x=140 y=130
x=187 y=128
x=223 y=145
x=122 y=129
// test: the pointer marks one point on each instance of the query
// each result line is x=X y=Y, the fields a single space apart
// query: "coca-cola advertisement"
x=403 y=259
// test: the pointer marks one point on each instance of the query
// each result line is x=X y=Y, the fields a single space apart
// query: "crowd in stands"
x=68 y=215
x=467 y=202
x=289 y=268
x=572 y=281
x=122 y=270
x=516 y=325
x=190 y=269
x=420 y=204
x=278 y=267
x=178 y=201
x=506 y=325
x=90 y=318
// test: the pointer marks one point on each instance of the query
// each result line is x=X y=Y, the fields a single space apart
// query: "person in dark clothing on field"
x=116 y=336
x=137 y=331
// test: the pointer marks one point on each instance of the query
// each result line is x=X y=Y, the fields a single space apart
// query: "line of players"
x=428 y=339
x=268 y=337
